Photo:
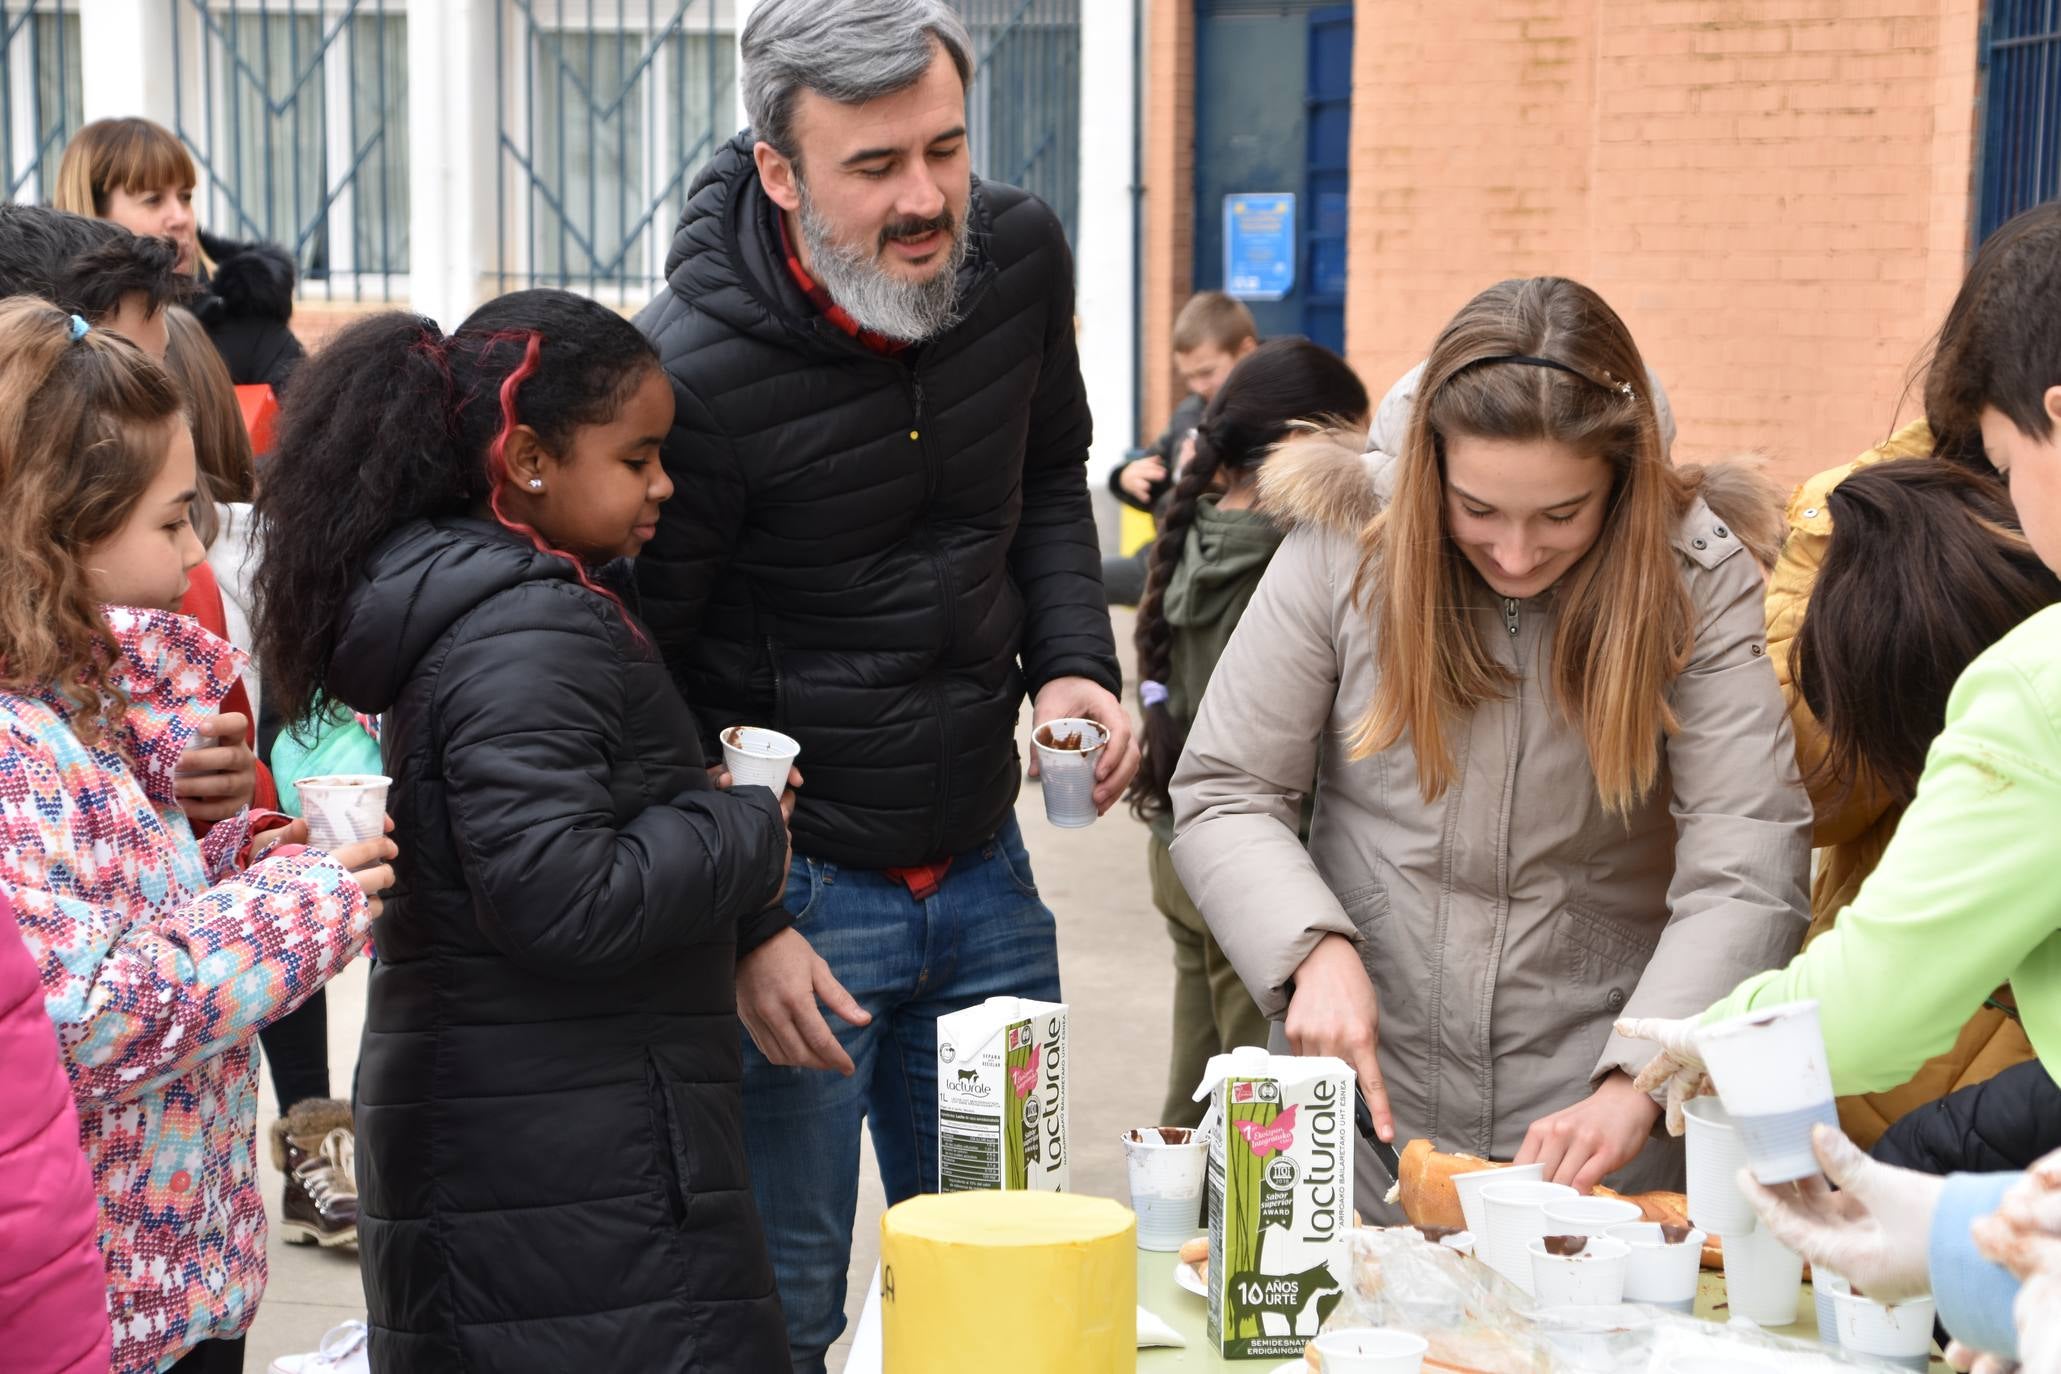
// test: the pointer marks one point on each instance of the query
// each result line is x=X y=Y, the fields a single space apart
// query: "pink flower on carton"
x=1025 y=1076
x=1270 y=1139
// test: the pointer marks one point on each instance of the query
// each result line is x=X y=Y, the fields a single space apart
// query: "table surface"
x=1188 y=1314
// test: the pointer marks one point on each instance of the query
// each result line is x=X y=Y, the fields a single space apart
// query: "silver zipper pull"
x=1510 y=615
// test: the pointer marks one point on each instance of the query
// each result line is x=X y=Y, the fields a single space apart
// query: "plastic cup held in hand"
x=1589 y=1216
x=1770 y=1068
x=343 y=809
x=1900 y=1333
x=1370 y=1350
x=757 y=757
x=1068 y=751
x=1762 y=1278
x=1716 y=1154
x=1166 y=1166
x=1662 y=1272
x=1514 y=1218
x=1593 y=1276
x=1469 y=1187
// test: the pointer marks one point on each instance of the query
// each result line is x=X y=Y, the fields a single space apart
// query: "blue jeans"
x=984 y=934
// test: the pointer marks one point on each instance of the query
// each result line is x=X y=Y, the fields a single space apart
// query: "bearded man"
x=881 y=539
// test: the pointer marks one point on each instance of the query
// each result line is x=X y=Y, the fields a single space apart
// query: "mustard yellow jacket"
x=1854 y=823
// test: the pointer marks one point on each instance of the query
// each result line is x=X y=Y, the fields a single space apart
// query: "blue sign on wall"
x=1259 y=245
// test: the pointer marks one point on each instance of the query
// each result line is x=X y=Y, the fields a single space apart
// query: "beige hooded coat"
x=1508 y=923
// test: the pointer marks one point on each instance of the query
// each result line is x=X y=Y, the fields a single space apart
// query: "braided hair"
x=1282 y=385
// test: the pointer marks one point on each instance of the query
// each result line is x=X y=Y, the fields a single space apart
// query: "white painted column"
x=1104 y=251
x=453 y=156
x=128 y=66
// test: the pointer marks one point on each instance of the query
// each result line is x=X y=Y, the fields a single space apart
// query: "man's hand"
x=1335 y=1012
x=778 y=985
x=1139 y=477
x=1598 y=1136
x=1077 y=698
x=218 y=774
x=1679 y=1064
x=1873 y=1232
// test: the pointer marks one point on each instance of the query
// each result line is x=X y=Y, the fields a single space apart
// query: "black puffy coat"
x=863 y=546
x=2001 y=1124
x=246 y=304
x=550 y=1128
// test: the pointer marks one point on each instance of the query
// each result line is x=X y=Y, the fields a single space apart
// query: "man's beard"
x=877 y=301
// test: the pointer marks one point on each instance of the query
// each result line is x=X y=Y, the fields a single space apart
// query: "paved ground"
x=1116 y=970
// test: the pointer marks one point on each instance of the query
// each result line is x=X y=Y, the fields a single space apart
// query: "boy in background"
x=1211 y=334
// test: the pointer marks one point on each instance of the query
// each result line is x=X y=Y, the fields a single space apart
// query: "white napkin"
x=1152 y=1331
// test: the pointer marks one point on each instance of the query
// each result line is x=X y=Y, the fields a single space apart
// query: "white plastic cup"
x=1067 y=775
x=1370 y=1350
x=1661 y=1273
x=1824 y=1283
x=1716 y=1154
x=1469 y=1186
x=1593 y=1278
x=343 y=808
x=1166 y=1184
x=1900 y=1333
x=1770 y=1068
x=1515 y=1216
x=1589 y=1216
x=1763 y=1278
x=758 y=757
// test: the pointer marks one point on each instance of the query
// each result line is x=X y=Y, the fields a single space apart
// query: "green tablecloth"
x=1187 y=1313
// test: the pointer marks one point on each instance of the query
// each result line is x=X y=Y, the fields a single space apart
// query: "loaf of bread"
x=1429 y=1198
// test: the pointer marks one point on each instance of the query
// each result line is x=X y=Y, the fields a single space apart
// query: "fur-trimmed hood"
x=250 y=281
x=1325 y=480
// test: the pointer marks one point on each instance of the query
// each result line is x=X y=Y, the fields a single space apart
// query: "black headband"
x=1529 y=360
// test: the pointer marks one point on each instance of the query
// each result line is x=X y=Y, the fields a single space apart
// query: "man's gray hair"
x=849 y=51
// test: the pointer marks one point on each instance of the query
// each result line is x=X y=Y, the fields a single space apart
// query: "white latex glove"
x=1679 y=1065
x=1874 y=1232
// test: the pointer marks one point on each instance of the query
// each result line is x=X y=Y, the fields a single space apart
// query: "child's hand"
x=294 y=833
x=371 y=864
x=218 y=774
x=1138 y=477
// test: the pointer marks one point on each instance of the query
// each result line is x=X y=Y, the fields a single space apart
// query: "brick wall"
x=1774 y=193
x=1169 y=134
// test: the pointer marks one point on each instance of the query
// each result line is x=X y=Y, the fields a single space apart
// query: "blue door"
x=1273 y=114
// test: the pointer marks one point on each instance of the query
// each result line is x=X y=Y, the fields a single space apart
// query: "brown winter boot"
x=312 y=1145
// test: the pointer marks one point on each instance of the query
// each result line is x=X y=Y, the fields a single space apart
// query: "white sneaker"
x=343 y=1351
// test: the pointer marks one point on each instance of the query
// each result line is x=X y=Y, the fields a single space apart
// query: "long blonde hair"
x=1624 y=616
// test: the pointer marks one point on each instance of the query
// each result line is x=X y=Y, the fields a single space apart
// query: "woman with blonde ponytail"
x=1214 y=544
x=1520 y=670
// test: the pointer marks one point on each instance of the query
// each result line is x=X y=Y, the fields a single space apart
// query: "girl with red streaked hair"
x=549 y=1116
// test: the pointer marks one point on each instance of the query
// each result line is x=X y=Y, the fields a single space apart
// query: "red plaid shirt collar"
x=831 y=310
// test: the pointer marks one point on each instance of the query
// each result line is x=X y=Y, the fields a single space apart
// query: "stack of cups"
x=343 y=809
x=1068 y=751
x=1824 y=1283
x=1900 y=1333
x=1716 y=1154
x=1166 y=1165
x=1469 y=1187
x=1663 y=1272
x=1770 y=1068
x=1514 y=1215
x=758 y=757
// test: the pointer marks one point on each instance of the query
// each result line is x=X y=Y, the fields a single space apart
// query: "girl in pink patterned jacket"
x=160 y=956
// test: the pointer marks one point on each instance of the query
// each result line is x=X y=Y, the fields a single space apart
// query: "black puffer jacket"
x=863 y=546
x=550 y=1129
x=2001 y=1124
x=247 y=305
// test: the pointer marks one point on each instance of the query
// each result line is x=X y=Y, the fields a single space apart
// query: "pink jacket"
x=53 y=1294
x=159 y=962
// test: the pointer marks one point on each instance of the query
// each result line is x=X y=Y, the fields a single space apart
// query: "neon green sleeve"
x=1969 y=889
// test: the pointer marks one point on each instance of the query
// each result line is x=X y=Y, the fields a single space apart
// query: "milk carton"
x=1280 y=1198
x=1001 y=1096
